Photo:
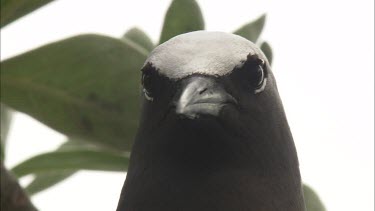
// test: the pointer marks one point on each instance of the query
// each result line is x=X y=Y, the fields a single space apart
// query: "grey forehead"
x=209 y=53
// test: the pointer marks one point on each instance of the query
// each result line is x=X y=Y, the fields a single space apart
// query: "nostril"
x=202 y=90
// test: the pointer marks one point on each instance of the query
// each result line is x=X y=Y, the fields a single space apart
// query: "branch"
x=13 y=197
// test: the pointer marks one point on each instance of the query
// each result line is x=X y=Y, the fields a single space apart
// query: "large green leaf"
x=42 y=181
x=5 y=115
x=267 y=50
x=252 y=30
x=2 y=150
x=85 y=159
x=14 y=9
x=86 y=87
x=47 y=179
x=312 y=200
x=140 y=37
x=182 y=16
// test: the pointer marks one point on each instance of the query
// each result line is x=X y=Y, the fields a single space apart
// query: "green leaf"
x=138 y=36
x=267 y=50
x=2 y=151
x=312 y=200
x=73 y=160
x=86 y=87
x=47 y=180
x=74 y=144
x=252 y=30
x=14 y=9
x=182 y=16
x=6 y=117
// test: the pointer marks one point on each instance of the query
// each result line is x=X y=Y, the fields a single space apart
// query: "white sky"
x=324 y=65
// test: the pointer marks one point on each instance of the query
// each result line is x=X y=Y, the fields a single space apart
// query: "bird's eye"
x=147 y=86
x=258 y=76
x=259 y=80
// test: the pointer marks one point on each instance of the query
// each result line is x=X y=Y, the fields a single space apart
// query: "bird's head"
x=202 y=76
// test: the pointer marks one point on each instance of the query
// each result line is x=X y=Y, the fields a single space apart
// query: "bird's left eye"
x=258 y=76
x=260 y=79
x=147 y=86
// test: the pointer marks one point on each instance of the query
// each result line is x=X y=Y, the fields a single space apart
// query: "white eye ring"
x=147 y=95
x=259 y=90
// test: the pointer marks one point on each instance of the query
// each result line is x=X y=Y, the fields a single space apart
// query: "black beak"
x=202 y=95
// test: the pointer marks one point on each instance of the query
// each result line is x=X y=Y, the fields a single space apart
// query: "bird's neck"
x=200 y=171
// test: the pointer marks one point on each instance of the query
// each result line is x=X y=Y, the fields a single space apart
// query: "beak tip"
x=196 y=111
x=183 y=112
x=186 y=115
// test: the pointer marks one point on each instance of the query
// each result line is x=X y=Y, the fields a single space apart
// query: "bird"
x=213 y=134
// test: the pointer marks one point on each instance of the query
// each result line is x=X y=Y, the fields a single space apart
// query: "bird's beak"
x=202 y=95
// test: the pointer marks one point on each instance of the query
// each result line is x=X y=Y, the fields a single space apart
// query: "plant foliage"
x=87 y=87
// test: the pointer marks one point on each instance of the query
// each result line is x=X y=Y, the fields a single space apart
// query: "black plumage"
x=213 y=135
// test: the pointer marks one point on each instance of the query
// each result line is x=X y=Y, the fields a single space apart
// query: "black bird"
x=213 y=135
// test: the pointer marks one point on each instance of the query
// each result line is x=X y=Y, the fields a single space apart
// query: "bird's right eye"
x=147 y=86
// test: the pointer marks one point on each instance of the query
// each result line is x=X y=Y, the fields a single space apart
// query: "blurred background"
x=323 y=63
